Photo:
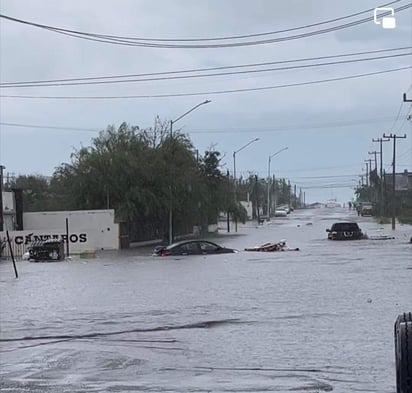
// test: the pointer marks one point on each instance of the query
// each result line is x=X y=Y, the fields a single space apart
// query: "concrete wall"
x=8 y=201
x=248 y=206
x=9 y=210
x=88 y=229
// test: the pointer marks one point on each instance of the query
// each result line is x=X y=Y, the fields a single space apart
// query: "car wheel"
x=403 y=353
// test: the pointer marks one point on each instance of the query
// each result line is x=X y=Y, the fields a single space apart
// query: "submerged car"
x=345 y=231
x=46 y=250
x=192 y=247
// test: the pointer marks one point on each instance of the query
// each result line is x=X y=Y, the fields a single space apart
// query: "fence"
x=18 y=249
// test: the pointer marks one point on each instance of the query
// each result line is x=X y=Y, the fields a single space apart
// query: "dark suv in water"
x=344 y=231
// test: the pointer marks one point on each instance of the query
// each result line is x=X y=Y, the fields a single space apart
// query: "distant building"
x=315 y=205
x=403 y=180
x=331 y=203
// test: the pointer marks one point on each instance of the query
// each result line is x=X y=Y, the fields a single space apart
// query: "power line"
x=405 y=153
x=405 y=120
x=293 y=127
x=214 y=74
x=208 y=92
x=325 y=177
x=62 y=128
x=136 y=42
x=66 y=81
x=397 y=116
x=303 y=169
x=211 y=38
x=328 y=186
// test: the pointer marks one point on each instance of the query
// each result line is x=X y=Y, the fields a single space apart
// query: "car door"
x=190 y=248
x=208 y=248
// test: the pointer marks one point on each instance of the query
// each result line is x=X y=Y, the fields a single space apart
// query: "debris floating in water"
x=271 y=247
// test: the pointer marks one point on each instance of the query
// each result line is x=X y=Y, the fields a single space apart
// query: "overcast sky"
x=327 y=127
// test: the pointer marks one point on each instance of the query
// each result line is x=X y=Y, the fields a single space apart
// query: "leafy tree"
x=36 y=192
x=142 y=174
x=137 y=172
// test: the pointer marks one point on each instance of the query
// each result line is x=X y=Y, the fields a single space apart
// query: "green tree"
x=36 y=192
x=136 y=172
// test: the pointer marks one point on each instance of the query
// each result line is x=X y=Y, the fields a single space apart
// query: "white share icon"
x=387 y=22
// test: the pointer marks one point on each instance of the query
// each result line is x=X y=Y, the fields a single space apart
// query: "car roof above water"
x=345 y=225
x=191 y=241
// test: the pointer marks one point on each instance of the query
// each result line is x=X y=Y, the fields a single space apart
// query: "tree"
x=36 y=192
x=139 y=173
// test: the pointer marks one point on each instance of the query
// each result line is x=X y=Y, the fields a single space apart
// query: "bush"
x=405 y=216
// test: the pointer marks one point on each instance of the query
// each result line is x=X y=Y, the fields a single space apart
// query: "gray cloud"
x=28 y=53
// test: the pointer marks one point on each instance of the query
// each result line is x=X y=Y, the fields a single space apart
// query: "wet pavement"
x=317 y=320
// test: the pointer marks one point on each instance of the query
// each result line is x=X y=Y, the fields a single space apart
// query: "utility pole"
x=1 y=199
x=372 y=194
x=380 y=140
x=368 y=172
x=394 y=137
x=290 y=193
x=376 y=161
x=257 y=198
x=234 y=171
x=227 y=213
x=294 y=192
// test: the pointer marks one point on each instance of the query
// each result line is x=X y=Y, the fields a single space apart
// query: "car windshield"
x=229 y=186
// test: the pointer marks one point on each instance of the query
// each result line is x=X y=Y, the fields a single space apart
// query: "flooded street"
x=317 y=320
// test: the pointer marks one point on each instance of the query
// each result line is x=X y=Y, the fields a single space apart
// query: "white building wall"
x=88 y=229
x=249 y=209
x=8 y=201
x=79 y=219
x=9 y=210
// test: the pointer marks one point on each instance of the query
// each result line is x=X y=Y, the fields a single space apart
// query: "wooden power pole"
x=381 y=140
x=394 y=137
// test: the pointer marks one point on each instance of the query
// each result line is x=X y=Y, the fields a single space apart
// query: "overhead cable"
x=215 y=92
x=138 y=42
x=278 y=128
x=161 y=78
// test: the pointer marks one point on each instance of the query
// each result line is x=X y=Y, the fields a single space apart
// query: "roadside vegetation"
x=141 y=174
x=384 y=201
x=405 y=216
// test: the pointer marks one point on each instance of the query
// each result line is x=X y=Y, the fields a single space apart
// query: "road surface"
x=316 y=320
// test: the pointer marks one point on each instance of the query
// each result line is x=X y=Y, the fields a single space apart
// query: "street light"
x=186 y=113
x=270 y=159
x=237 y=151
x=234 y=168
x=170 y=186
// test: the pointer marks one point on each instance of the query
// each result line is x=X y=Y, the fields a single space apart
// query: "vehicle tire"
x=403 y=353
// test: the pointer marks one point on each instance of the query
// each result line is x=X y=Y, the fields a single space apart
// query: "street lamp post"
x=170 y=186
x=234 y=169
x=270 y=159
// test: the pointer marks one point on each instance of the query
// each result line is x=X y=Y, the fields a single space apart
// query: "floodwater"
x=317 y=320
